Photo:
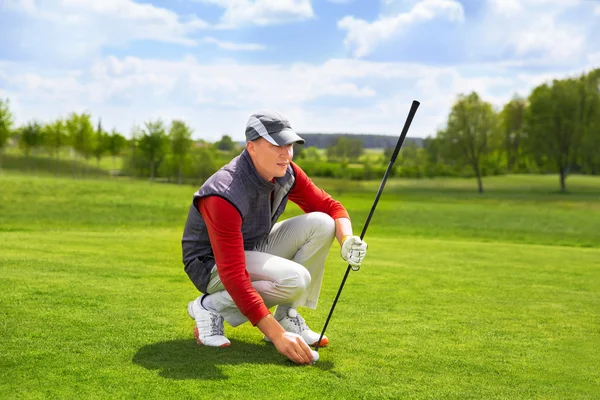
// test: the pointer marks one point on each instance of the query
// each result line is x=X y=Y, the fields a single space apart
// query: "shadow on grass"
x=184 y=359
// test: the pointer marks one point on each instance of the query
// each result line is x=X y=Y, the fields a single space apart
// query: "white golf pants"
x=285 y=269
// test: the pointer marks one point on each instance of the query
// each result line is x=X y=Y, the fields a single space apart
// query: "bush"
x=327 y=169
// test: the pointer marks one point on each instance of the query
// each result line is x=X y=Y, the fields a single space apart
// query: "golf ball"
x=315 y=356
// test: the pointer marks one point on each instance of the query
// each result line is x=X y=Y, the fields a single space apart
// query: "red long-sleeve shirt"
x=224 y=225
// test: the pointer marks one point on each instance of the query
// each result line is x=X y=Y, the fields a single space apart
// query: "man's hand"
x=353 y=250
x=294 y=347
x=289 y=344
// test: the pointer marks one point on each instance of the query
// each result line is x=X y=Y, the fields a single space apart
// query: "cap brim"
x=286 y=136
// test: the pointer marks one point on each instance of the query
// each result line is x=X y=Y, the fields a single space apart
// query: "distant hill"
x=324 y=140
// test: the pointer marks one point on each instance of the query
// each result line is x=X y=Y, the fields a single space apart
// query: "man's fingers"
x=298 y=351
x=356 y=253
x=298 y=358
x=303 y=350
x=359 y=254
x=353 y=251
x=357 y=242
x=306 y=350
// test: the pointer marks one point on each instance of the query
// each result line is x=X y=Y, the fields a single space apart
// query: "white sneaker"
x=209 y=329
x=294 y=323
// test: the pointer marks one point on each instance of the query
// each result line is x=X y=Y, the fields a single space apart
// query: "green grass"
x=461 y=296
x=42 y=164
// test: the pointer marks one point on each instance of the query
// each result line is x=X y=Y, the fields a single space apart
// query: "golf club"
x=409 y=118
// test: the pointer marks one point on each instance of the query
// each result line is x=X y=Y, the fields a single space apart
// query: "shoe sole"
x=197 y=337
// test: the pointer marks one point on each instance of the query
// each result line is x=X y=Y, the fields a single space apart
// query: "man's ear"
x=252 y=145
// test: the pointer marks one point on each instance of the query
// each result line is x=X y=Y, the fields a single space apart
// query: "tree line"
x=369 y=141
x=556 y=129
x=154 y=150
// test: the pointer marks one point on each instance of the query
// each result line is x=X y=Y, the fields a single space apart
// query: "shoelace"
x=299 y=322
x=216 y=325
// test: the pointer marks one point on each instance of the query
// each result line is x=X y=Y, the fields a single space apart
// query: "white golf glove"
x=353 y=250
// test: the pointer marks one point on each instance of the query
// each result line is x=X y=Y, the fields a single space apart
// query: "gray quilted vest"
x=239 y=183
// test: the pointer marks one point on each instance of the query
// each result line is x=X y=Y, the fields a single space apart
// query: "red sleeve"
x=310 y=198
x=224 y=225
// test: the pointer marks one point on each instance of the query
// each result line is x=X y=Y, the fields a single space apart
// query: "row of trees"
x=555 y=129
x=166 y=152
x=75 y=132
x=154 y=149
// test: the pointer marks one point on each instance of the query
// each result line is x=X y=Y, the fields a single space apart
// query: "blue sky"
x=331 y=66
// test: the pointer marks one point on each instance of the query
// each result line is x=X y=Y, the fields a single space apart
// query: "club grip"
x=409 y=118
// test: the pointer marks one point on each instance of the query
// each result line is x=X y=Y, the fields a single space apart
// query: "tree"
x=100 y=139
x=511 y=122
x=6 y=124
x=134 y=142
x=554 y=124
x=589 y=155
x=181 y=144
x=299 y=152
x=412 y=161
x=115 y=142
x=344 y=148
x=81 y=135
x=471 y=124
x=202 y=165
x=434 y=160
x=226 y=143
x=355 y=149
x=153 y=144
x=55 y=137
x=30 y=137
x=312 y=153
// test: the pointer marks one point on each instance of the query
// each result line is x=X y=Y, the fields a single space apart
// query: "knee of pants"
x=293 y=286
x=323 y=224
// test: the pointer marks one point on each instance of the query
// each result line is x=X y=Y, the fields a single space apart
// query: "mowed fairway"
x=461 y=296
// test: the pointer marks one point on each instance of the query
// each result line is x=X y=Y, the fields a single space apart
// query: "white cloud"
x=363 y=36
x=81 y=28
x=532 y=29
x=339 y=95
x=544 y=35
x=594 y=60
x=262 y=12
x=234 y=46
x=505 y=6
x=597 y=10
x=24 y=5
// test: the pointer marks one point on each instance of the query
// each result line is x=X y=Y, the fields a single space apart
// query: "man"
x=244 y=261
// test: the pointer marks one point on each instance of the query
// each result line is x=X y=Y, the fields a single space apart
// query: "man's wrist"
x=271 y=328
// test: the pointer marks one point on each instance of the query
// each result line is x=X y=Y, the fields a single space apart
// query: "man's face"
x=269 y=160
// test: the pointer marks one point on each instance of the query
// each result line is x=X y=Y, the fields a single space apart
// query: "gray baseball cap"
x=273 y=126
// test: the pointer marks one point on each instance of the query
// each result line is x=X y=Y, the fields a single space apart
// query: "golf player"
x=244 y=261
